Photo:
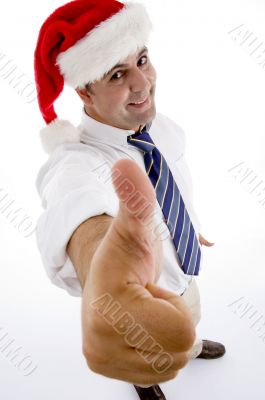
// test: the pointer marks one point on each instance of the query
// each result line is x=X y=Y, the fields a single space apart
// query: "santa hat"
x=77 y=44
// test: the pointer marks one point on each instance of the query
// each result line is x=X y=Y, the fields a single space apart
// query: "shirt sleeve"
x=73 y=185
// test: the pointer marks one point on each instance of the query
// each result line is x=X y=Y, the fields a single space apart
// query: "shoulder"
x=67 y=159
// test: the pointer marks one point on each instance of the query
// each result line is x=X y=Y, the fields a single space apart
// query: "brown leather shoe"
x=151 y=393
x=211 y=350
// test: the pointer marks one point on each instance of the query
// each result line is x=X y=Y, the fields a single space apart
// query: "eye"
x=143 y=57
x=115 y=76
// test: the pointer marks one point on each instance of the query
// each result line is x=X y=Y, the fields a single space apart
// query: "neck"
x=138 y=130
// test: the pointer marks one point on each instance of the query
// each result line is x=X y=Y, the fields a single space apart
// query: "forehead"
x=126 y=61
x=134 y=55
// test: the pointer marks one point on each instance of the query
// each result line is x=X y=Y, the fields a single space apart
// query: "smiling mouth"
x=140 y=104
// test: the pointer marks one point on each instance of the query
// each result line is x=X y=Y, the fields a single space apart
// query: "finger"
x=136 y=358
x=208 y=244
x=132 y=376
x=163 y=315
x=161 y=362
x=204 y=242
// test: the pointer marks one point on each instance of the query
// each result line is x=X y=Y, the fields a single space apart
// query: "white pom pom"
x=58 y=132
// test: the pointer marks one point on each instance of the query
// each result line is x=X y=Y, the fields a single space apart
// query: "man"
x=99 y=236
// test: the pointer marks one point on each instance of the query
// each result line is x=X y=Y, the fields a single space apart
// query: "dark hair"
x=88 y=88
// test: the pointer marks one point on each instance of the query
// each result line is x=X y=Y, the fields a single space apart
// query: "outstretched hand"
x=204 y=242
x=124 y=271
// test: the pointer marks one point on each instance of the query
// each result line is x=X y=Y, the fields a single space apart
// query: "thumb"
x=136 y=196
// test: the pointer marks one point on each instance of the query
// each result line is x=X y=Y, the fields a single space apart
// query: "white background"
x=214 y=89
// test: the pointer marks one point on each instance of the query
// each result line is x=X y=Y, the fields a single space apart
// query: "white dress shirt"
x=74 y=184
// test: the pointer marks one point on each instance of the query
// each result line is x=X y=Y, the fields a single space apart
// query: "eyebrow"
x=144 y=49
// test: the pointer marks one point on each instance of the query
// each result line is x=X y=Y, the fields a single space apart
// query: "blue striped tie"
x=168 y=196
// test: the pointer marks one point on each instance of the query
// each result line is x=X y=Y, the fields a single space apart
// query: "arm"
x=116 y=261
x=85 y=241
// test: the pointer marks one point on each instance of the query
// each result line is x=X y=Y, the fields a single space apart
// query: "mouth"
x=141 y=104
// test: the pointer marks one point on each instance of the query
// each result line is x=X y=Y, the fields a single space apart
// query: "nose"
x=140 y=81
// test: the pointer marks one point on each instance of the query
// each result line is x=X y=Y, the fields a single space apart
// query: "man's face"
x=110 y=99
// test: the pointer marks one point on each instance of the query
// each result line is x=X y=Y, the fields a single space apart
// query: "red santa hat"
x=77 y=44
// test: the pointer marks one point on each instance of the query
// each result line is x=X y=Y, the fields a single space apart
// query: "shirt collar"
x=91 y=128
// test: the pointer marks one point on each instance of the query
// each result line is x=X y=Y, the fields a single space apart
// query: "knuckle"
x=174 y=374
x=180 y=361
x=183 y=360
x=171 y=375
x=94 y=367
x=97 y=326
x=87 y=354
x=93 y=359
x=188 y=336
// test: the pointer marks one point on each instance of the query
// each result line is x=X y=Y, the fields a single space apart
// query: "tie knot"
x=142 y=140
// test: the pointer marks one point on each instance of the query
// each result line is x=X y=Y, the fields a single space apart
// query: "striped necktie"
x=170 y=200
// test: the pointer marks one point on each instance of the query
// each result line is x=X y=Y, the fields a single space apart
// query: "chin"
x=151 y=113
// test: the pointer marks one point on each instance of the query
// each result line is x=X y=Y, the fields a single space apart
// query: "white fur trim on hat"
x=58 y=132
x=106 y=45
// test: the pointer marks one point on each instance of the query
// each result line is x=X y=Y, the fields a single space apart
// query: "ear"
x=84 y=95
